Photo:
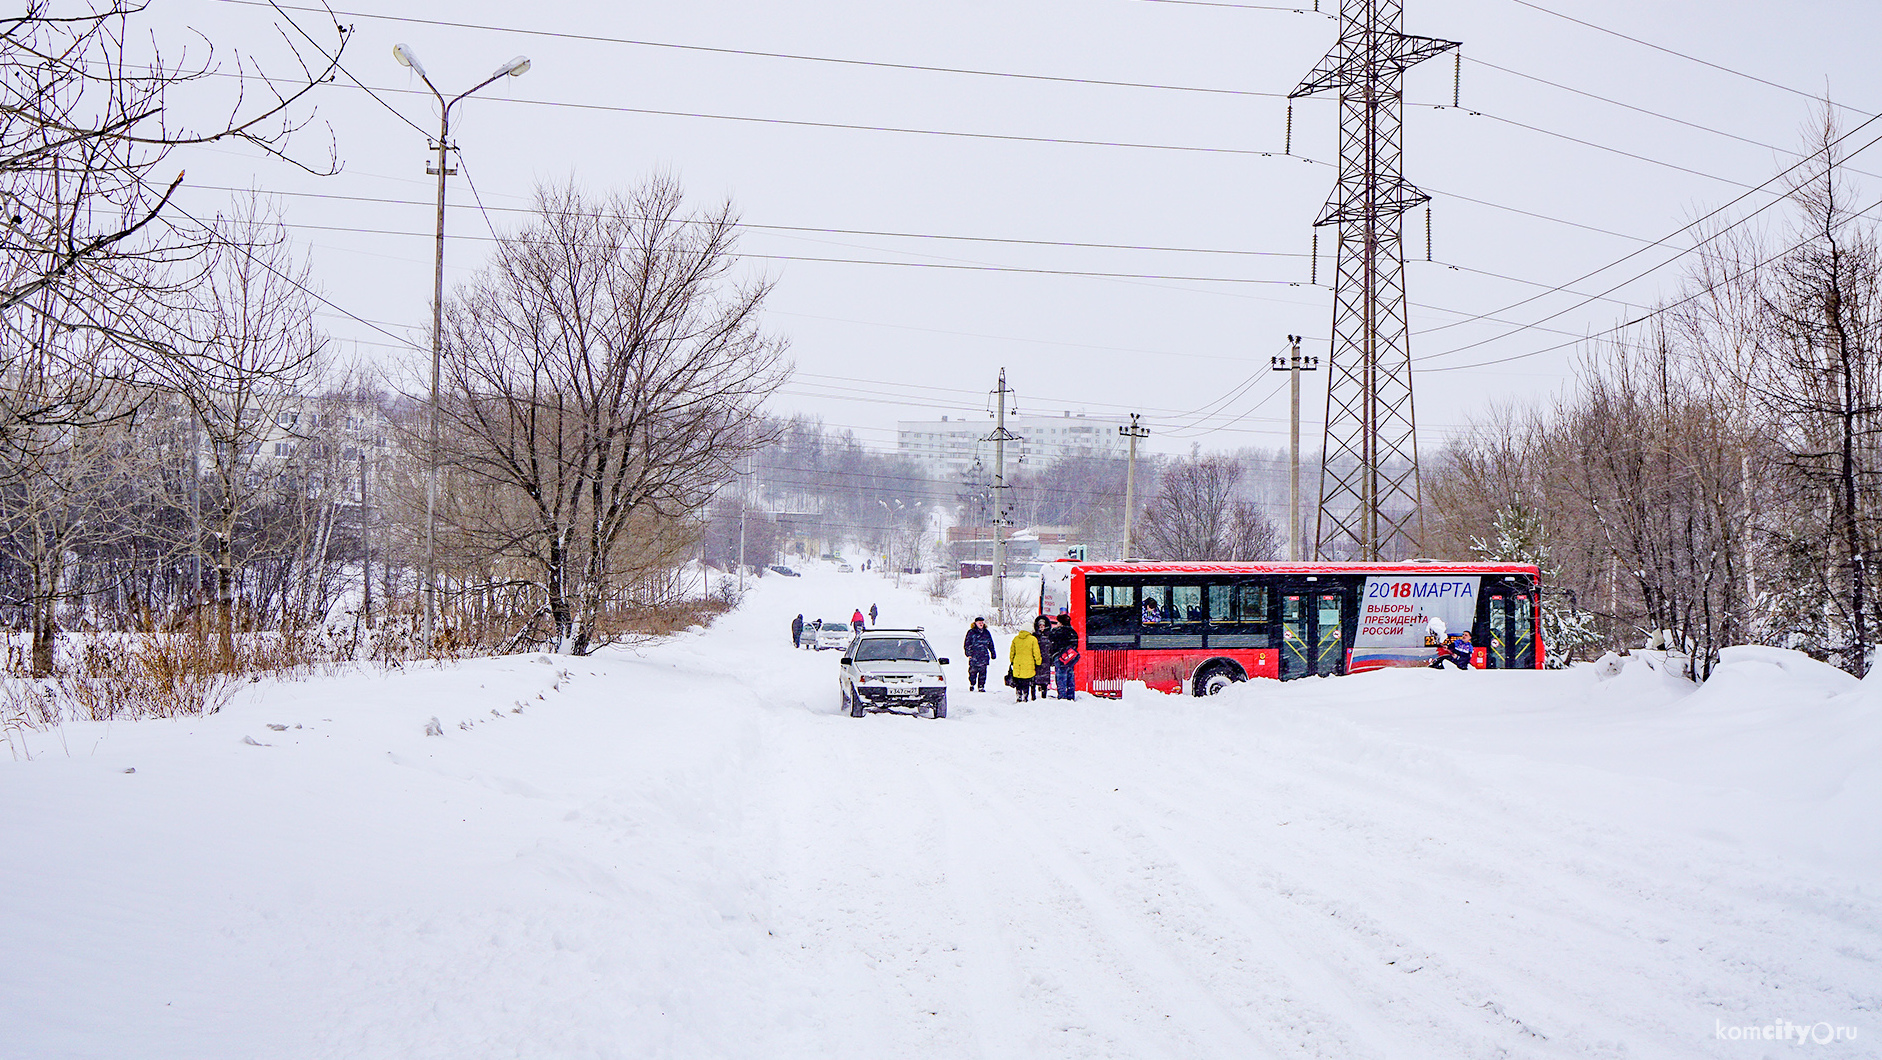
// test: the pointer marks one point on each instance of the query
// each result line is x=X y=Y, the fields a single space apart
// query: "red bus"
x=1198 y=627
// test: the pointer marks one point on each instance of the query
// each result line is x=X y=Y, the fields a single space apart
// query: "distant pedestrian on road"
x=1023 y=663
x=872 y=614
x=1062 y=642
x=856 y=621
x=797 y=632
x=978 y=647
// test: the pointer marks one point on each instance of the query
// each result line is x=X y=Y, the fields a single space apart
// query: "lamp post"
x=514 y=68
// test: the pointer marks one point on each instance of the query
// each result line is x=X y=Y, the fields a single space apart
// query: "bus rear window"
x=1110 y=614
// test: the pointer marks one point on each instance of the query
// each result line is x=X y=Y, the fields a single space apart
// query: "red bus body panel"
x=1105 y=672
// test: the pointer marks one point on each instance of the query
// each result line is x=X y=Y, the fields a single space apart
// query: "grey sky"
x=876 y=343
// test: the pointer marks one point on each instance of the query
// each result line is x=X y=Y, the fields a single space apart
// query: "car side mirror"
x=845 y=661
x=943 y=662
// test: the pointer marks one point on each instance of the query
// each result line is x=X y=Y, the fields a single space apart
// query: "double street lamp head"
x=516 y=67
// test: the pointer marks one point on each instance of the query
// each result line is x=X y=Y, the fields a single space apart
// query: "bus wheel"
x=1216 y=678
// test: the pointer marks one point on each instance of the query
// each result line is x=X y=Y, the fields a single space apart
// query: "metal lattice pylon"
x=1369 y=495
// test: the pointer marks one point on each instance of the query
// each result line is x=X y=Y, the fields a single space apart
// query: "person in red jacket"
x=856 y=620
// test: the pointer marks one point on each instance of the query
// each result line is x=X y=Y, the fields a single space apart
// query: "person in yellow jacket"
x=1022 y=663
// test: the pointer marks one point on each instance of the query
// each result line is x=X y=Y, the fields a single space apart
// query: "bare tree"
x=61 y=484
x=1197 y=514
x=604 y=369
x=1822 y=388
x=87 y=123
x=244 y=355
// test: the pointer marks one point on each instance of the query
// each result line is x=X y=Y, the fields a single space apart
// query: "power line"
x=1787 y=171
x=1689 y=58
x=752 y=53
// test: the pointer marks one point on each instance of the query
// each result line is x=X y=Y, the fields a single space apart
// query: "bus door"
x=1511 y=615
x=1313 y=630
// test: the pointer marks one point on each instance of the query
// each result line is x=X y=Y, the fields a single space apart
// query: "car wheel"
x=941 y=706
x=855 y=703
x=1214 y=680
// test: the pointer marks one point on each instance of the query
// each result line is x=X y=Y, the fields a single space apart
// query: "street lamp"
x=514 y=68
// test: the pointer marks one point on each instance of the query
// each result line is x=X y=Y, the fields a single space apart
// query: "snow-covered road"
x=688 y=852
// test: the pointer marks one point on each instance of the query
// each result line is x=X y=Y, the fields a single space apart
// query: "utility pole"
x=743 y=490
x=1369 y=491
x=365 y=541
x=514 y=68
x=999 y=438
x=1133 y=432
x=1294 y=365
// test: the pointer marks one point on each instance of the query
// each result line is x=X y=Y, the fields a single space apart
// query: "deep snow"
x=686 y=851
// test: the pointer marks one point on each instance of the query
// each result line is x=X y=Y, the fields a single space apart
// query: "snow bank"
x=685 y=851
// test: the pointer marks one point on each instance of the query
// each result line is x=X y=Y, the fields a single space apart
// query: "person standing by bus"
x=1042 y=677
x=1062 y=652
x=1023 y=663
x=978 y=647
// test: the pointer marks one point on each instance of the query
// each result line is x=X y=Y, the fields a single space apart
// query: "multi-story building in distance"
x=948 y=448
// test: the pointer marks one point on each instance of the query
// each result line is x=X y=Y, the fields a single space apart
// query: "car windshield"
x=894 y=649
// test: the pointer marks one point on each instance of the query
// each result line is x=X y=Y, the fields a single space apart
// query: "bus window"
x=1238 y=616
x=1171 y=616
x=1185 y=605
x=1111 y=614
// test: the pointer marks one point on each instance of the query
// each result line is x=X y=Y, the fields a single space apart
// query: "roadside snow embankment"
x=688 y=852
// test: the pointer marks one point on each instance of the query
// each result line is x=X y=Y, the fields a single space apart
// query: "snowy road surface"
x=687 y=852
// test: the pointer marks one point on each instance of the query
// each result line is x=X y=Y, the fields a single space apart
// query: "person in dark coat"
x=1457 y=651
x=872 y=614
x=1062 y=644
x=978 y=647
x=797 y=632
x=1042 y=678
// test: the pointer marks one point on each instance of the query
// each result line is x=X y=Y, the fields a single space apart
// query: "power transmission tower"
x=1369 y=495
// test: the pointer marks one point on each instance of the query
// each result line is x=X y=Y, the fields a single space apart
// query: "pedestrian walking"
x=872 y=614
x=978 y=647
x=1062 y=642
x=856 y=621
x=797 y=632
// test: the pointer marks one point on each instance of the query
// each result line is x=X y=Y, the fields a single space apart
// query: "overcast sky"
x=1181 y=334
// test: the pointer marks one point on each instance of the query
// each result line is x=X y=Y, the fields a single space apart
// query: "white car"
x=832 y=635
x=892 y=670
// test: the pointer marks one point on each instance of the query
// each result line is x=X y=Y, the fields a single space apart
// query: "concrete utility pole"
x=1294 y=365
x=1133 y=432
x=743 y=490
x=365 y=539
x=999 y=438
x=514 y=68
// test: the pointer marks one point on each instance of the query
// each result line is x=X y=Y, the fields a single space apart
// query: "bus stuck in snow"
x=1199 y=627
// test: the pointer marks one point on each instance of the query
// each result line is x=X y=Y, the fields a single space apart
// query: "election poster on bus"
x=1396 y=612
